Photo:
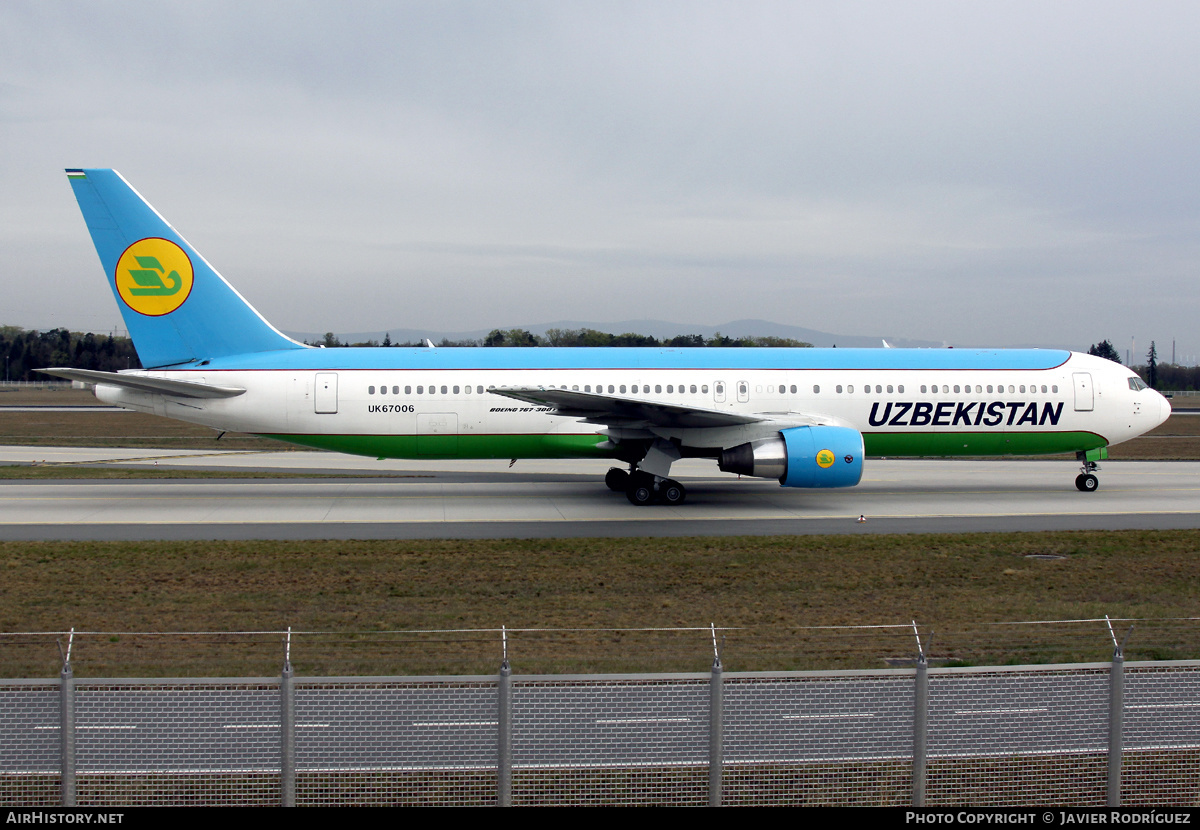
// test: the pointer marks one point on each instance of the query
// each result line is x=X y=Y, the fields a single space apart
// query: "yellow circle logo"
x=825 y=458
x=154 y=276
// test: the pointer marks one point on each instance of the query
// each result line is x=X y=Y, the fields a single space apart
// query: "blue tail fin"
x=177 y=308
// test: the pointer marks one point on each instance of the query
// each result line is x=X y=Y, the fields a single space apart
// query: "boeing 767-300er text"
x=806 y=417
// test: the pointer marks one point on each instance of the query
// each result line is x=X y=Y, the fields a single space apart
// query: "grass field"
x=370 y=597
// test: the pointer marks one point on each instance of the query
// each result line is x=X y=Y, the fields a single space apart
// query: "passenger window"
x=622 y=389
x=889 y=389
x=900 y=389
x=956 y=388
x=704 y=388
x=839 y=389
x=693 y=389
x=420 y=390
x=455 y=390
x=922 y=389
x=370 y=390
x=395 y=390
x=816 y=389
x=850 y=389
x=407 y=390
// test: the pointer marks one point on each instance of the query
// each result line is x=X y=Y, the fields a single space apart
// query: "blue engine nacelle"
x=821 y=456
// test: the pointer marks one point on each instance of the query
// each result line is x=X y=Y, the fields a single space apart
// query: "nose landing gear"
x=1086 y=481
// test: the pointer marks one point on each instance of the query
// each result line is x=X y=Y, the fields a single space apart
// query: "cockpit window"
x=1136 y=383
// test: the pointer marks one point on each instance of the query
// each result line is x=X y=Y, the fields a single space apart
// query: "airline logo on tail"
x=154 y=276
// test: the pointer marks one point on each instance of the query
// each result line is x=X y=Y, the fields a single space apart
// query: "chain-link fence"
x=1086 y=734
x=590 y=650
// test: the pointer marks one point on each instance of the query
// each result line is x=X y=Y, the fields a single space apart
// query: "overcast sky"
x=981 y=173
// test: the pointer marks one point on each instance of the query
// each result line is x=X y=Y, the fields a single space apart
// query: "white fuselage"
x=1083 y=395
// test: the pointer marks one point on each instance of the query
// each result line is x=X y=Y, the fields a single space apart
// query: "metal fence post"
x=504 y=730
x=66 y=724
x=716 y=726
x=1116 y=716
x=287 y=728
x=920 y=724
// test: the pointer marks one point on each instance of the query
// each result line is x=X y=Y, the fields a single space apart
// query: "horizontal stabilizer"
x=142 y=383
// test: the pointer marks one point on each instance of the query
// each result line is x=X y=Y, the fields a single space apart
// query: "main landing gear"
x=642 y=488
x=1086 y=480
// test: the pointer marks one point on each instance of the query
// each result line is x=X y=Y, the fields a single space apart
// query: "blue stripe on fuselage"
x=456 y=358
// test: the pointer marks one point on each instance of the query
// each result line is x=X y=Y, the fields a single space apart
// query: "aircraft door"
x=719 y=391
x=1083 y=392
x=326 y=399
x=743 y=390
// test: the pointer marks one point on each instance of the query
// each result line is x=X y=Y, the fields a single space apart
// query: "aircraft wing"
x=142 y=383
x=598 y=408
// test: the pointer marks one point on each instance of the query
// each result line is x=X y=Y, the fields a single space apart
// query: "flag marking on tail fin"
x=154 y=276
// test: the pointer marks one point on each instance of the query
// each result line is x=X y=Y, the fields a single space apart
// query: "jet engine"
x=820 y=456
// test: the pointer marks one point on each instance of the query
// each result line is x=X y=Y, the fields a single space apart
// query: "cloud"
x=982 y=173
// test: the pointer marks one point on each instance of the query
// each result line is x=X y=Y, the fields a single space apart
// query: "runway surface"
x=547 y=499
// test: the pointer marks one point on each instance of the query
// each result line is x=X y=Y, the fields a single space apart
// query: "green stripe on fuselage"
x=456 y=446
x=890 y=444
x=898 y=444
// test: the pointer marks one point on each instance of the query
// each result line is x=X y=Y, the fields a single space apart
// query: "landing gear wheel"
x=672 y=492
x=1087 y=482
x=641 y=490
x=616 y=480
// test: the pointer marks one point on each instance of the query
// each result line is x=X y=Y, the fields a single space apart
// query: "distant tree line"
x=24 y=351
x=1166 y=377
x=583 y=338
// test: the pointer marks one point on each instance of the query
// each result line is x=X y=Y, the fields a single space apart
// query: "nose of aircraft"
x=1164 y=408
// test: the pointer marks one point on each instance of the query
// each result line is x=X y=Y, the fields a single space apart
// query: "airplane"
x=804 y=416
